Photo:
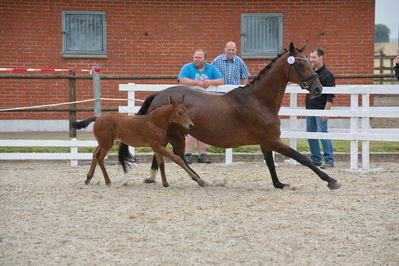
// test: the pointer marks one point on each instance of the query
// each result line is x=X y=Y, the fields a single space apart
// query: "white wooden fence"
x=355 y=112
x=73 y=155
x=355 y=133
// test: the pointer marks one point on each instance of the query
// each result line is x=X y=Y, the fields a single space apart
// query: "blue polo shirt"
x=190 y=71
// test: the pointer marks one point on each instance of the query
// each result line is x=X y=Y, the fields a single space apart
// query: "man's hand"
x=204 y=84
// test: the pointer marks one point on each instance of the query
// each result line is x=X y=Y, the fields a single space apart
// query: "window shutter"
x=261 y=34
x=84 y=33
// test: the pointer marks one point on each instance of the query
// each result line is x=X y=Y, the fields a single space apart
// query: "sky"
x=387 y=13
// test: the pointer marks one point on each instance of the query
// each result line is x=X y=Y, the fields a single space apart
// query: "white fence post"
x=293 y=124
x=131 y=103
x=229 y=156
x=74 y=152
x=353 y=130
x=365 y=130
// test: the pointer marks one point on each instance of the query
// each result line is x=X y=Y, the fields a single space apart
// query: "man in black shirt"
x=324 y=101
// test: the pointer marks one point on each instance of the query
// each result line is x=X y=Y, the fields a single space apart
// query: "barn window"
x=84 y=34
x=261 y=34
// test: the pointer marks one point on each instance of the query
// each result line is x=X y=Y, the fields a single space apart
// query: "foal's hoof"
x=148 y=181
x=108 y=184
x=334 y=185
x=87 y=181
x=165 y=185
x=281 y=185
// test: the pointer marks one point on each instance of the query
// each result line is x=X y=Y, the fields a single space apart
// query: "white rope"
x=66 y=103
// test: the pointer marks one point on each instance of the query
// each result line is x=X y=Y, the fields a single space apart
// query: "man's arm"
x=327 y=107
x=215 y=82
x=245 y=81
x=190 y=82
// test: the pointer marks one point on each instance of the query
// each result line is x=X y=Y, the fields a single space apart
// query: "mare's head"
x=180 y=115
x=301 y=72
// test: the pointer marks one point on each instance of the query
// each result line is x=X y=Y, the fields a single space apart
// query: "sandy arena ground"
x=49 y=217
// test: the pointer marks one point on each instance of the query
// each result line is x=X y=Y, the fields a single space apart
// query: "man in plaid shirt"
x=232 y=67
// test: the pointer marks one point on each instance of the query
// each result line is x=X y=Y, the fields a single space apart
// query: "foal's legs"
x=161 y=164
x=100 y=158
x=154 y=171
x=178 y=141
x=162 y=150
x=93 y=165
x=268 y=155
x=289 y=152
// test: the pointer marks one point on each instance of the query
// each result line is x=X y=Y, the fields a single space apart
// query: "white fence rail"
x=73 y=155
x=355 y=112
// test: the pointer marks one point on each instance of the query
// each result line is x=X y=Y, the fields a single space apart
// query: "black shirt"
x=326 y=79
x=397 y=71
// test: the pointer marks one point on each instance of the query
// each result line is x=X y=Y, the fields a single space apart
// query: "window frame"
x=84 y=53
x=260 y=54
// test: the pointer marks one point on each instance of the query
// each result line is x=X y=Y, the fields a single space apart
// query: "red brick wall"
x=158 y=37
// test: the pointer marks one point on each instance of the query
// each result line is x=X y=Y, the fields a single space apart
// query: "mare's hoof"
x=87 y=181
x=201 y=183
x=165 y=185
x=334 y=185
x=281 y=185
x=204 y=183
x=108 y=184
x=148 y=181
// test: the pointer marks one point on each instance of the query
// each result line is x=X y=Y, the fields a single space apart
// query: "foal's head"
x=179 y=115
x=301 y=72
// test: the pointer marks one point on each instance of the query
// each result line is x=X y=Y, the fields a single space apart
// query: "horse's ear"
x=292 y=48
x=303 y=47
x=182 y=100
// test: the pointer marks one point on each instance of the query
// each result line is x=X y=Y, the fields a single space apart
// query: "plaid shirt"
x=232 y=71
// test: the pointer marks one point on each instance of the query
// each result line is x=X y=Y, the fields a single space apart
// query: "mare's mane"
x=265 y=70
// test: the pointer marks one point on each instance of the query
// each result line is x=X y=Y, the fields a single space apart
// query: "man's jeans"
x=316 y=124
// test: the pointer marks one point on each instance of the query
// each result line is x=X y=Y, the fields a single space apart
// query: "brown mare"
x=139 y=131
x=246 y=115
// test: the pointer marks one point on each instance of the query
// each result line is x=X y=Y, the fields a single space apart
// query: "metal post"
x=97 y=90
x=72 y=98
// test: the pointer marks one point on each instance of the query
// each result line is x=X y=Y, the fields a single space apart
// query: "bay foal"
x=139 y=131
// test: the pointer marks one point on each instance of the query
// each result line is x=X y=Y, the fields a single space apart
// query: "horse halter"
x=304 y=80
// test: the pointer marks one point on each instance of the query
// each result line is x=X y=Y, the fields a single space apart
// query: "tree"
x=381 y=33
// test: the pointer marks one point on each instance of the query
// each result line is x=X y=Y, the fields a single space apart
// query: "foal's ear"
x=292 y=48
x=182 y=100
x=303 y=47
x=171 y=101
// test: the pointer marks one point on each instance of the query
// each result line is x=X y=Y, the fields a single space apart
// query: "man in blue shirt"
x=201 y=74
x=232 y=67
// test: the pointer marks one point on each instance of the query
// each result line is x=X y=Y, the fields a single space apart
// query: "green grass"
x=302 y=146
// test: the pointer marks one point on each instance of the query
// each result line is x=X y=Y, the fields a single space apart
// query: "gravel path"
x=49 y=217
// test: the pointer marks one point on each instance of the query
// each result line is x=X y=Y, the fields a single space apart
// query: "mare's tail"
x=83 y=123
x=124 y=156
x=144 y=108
